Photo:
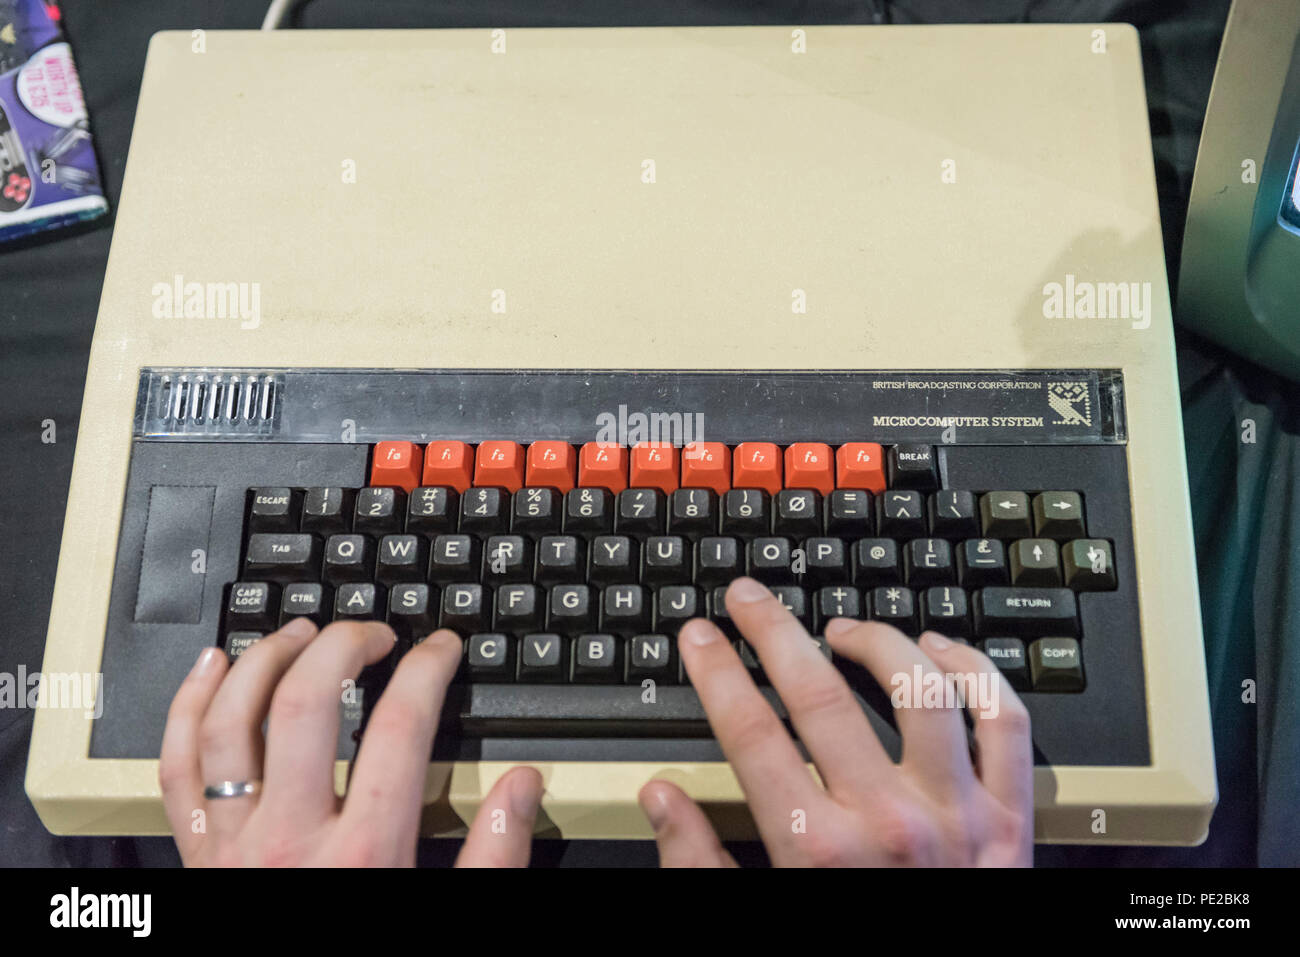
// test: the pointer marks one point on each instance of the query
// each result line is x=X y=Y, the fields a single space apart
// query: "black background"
x=49 y=294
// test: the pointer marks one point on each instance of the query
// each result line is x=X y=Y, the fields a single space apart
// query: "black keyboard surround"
x=1017 y=434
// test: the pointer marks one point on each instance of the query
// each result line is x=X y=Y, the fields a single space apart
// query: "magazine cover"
x=48 y=173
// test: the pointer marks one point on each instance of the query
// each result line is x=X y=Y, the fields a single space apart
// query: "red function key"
x=654 y=465
x=603 y=465
x=706 y=465
x=499 y=464
x=860 y=465
x=757 y=465
x=449 y=463
x=396 y=465
x=809 y=465
x=552 y=464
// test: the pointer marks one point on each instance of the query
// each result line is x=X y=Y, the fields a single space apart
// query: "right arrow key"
x=1059 y=515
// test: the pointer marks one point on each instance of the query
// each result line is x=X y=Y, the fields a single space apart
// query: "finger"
x=502 y=832
x=935 y=746
x=684 y=835
x=767 y=764
x=1002 y=734
x=387 y=785
x=179 y=773
x=828 y=719
x=302 y=737
x=230 y=737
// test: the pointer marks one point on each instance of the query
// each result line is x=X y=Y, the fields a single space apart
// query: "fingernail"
x=699 y=632
x=299 y=628
x=205 y=660
x=837 y=626
x=382 y=632
x=935 y=641
x=655 y=806
x=748 y=590
x=526 y=794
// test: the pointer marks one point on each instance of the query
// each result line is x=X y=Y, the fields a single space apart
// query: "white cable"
x=277 y=13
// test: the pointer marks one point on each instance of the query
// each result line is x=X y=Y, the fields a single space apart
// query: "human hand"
x=296 y=675
x=935 y=807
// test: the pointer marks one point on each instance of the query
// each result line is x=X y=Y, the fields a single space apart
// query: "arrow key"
x=1005 y=515
x=1089 y=565
x=1059 y=515
x=1035 y=562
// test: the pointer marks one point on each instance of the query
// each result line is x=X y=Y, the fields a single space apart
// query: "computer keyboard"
x=589 y=576
x=568 y=562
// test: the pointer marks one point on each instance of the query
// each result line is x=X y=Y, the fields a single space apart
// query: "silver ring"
x=232 y=789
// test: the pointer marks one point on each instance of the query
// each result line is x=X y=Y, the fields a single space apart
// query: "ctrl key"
x=1056 y=664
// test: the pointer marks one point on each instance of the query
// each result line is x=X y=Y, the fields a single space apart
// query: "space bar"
x=490 y=710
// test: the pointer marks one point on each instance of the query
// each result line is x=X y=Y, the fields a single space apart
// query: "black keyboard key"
x=1010 y=657
x=561 y=559
x=876 y=562
x=327 y=511
x=894 y=606
x=613 y=560
x=348 y=558
x=1025 y=611
x=928 y=561
x=902 y=514
x=749 y=658
x=455 y=558
x=825 y=561
x=253 y=606
x=1006 y=515
x=518 y=609
x=1058 y=515
x=402 y=558
x=745 y=512
x=543 y=658
x=569 y=609
x=1035 y=562
x=413 y=610
x=692 y=513
x=305 y=600
x=1089 y=565
x=1056 y=664
x=945 y=610
x=465 y=608
x=953 y=514
x=665 y=560
x=588 y=512
x=982 y=561
x=797 y=513
x=359 y=600
x=238 y=642
x=507 y=558
x=770 y=560
x=281 y=557
x=490 y=657
x=536 y=512
x=849 y=513
x=795 y=600
x=273 y=510
x=716 y=604
x=652 y=657
x=640 y=512
x=484 y=511
x=624 y=610
x=718 y=561
x=431 y=510
x=913 y=466
x=675 y=605
x=835 y=601
x=379 y=511
x=596 y=659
